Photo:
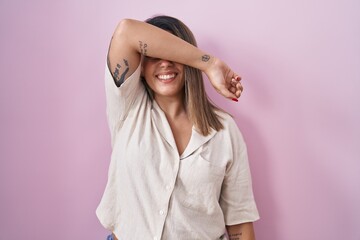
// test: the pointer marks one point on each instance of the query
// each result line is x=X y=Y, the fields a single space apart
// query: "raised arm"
x=134 y=38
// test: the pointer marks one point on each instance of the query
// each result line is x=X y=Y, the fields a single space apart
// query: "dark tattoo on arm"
x=119 y=79
x=205 y=58
x=235 y=236
x=143 y=48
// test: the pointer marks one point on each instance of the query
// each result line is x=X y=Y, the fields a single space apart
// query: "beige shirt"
x=152 y=192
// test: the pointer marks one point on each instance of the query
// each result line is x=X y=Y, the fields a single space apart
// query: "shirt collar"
x=196 y=140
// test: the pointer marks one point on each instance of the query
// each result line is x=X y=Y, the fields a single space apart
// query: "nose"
x=165 y=63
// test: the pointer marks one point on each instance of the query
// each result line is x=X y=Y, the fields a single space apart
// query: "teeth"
x=166 y=77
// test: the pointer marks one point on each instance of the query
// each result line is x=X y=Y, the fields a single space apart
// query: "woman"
x=179 y=167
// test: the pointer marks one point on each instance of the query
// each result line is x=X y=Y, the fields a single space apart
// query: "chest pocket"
x=199 y=183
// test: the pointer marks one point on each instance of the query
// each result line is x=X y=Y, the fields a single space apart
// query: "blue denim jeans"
x=110 y=237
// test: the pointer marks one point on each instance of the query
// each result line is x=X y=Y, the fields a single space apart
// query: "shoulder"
x=231 y=128
x=227 y=120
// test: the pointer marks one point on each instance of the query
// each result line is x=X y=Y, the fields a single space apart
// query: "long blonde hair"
x=201 y=111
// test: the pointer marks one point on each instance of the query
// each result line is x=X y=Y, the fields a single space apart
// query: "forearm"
x=154 y=42
x=134 y=38
x=244 y=231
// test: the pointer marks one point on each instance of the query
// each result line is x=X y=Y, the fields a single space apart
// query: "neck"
x=173 y=107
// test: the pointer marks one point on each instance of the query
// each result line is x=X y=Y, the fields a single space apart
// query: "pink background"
x=300 y=112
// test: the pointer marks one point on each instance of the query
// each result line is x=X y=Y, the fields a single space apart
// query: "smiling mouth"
x=166 y=77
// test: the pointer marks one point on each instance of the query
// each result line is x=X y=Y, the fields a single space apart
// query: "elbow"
x=123 y=26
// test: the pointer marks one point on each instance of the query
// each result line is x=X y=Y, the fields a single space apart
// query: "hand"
x=225 y=81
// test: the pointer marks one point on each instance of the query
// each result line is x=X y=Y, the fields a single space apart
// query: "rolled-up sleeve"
x=237 y=198
x=119 y=100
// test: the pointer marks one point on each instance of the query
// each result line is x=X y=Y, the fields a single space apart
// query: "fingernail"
x=235 y=99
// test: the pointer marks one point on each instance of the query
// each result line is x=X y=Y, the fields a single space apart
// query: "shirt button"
x=161 y=212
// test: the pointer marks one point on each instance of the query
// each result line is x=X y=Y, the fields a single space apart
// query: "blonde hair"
x=201 y=111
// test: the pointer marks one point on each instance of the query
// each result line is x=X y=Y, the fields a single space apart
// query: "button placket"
x=168 y=187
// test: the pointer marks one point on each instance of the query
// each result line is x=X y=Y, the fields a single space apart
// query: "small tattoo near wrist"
x=205 y=58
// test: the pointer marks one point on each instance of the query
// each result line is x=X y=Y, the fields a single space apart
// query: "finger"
x=233 y=89
x=234 y=81
x=239 y=90
x=239 y=86
x=226 y=93
x=237 y=78
x=238 y=93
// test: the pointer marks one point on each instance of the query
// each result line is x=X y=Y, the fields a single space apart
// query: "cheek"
x=147 y=74
x=183 y=78
x=182 y=70
x=148 y=83
x=146 y=68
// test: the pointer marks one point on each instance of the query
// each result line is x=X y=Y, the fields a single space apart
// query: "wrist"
x=207 y=62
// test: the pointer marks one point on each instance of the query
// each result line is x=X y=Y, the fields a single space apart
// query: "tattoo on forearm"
x=205 y=58
x=119 y=79
x=143 y=48
x=235 y=236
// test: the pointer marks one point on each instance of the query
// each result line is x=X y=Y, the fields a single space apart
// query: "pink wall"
x=300 y=111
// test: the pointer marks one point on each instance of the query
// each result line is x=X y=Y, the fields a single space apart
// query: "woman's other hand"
x=225 y=81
